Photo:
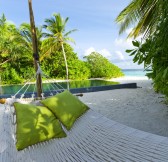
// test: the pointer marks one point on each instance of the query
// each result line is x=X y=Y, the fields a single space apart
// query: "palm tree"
x=57 y=36
x=145 y=14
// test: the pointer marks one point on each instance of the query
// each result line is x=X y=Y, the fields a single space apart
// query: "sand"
x=139 y=108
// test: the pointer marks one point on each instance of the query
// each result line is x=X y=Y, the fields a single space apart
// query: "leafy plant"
x=101 y=67
x=151 y=21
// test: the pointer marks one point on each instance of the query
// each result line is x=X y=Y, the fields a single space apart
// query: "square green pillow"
x=66 y=107
x=35 y=124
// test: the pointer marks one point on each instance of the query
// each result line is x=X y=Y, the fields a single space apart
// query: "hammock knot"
x=42 y=95
x=33 y=95
x=39 y=71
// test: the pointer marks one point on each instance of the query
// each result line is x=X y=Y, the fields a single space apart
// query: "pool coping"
x=80 y=90
x=103 y=88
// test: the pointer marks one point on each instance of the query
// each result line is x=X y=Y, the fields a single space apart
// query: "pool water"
x=13 y=89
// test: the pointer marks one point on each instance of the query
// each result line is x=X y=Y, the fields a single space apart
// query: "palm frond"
x=69 y=32
x=143 y=13
x=48 y=46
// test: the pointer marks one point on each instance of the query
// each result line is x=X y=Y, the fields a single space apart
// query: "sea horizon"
x=134 y=72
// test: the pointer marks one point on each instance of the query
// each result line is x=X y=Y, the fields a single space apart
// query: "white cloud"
x=120 y=55
x=126 y=43
x=116 y=53
x=105 y=53
x=89 y=51
x=123 y=43
x=118 y=41
x=128 y=30
x=128 y=65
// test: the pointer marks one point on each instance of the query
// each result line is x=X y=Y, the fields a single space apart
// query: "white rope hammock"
x=92 y=138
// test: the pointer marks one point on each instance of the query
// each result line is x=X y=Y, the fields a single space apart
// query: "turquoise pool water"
x=13 y=89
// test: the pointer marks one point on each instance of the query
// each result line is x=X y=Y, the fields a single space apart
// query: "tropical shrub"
x=10 y=76
x=102 y=67
x=78 y=70
x=153 y=53
x=54 y=65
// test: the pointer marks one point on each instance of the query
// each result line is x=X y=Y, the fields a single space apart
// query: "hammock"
x=92 y=138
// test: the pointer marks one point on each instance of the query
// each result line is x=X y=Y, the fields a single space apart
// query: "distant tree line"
x=57 y=57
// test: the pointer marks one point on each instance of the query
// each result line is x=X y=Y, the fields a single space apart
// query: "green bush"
x=101 y=67
x=10 y=76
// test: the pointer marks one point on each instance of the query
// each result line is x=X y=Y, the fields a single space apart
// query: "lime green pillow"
x=66 y=107
x=35 y=124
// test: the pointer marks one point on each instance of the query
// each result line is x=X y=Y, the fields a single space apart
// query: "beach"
x=139 y=108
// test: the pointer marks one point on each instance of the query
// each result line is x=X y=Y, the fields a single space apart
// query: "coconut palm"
x=145 y=14
x=57 y=36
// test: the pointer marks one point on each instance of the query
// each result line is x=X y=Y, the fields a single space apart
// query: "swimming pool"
x=13 y=89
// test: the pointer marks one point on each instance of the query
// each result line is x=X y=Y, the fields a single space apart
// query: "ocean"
x=134 y=72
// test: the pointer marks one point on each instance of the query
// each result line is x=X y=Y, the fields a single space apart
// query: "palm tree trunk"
x=66 y=65
x=35 y=49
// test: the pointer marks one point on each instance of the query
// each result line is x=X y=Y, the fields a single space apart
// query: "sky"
x=94 y=20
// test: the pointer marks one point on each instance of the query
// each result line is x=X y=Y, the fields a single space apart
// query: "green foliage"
x=150 y=19
x=10 y=76
x=143 y=14
x=16 y=61
x=101 y=67
x=15 y=58
x=57 y=36
x=154 y=55
x=54 y=65
x=78 y=70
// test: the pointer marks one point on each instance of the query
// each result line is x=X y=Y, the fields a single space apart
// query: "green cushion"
x=66 y=107
x=35 y=124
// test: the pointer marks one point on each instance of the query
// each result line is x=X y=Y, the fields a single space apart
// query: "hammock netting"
x=93 y=138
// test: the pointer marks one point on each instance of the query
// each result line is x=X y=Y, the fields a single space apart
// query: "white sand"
x=139 y=108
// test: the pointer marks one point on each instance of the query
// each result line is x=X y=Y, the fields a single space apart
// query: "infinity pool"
x=13 y=89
